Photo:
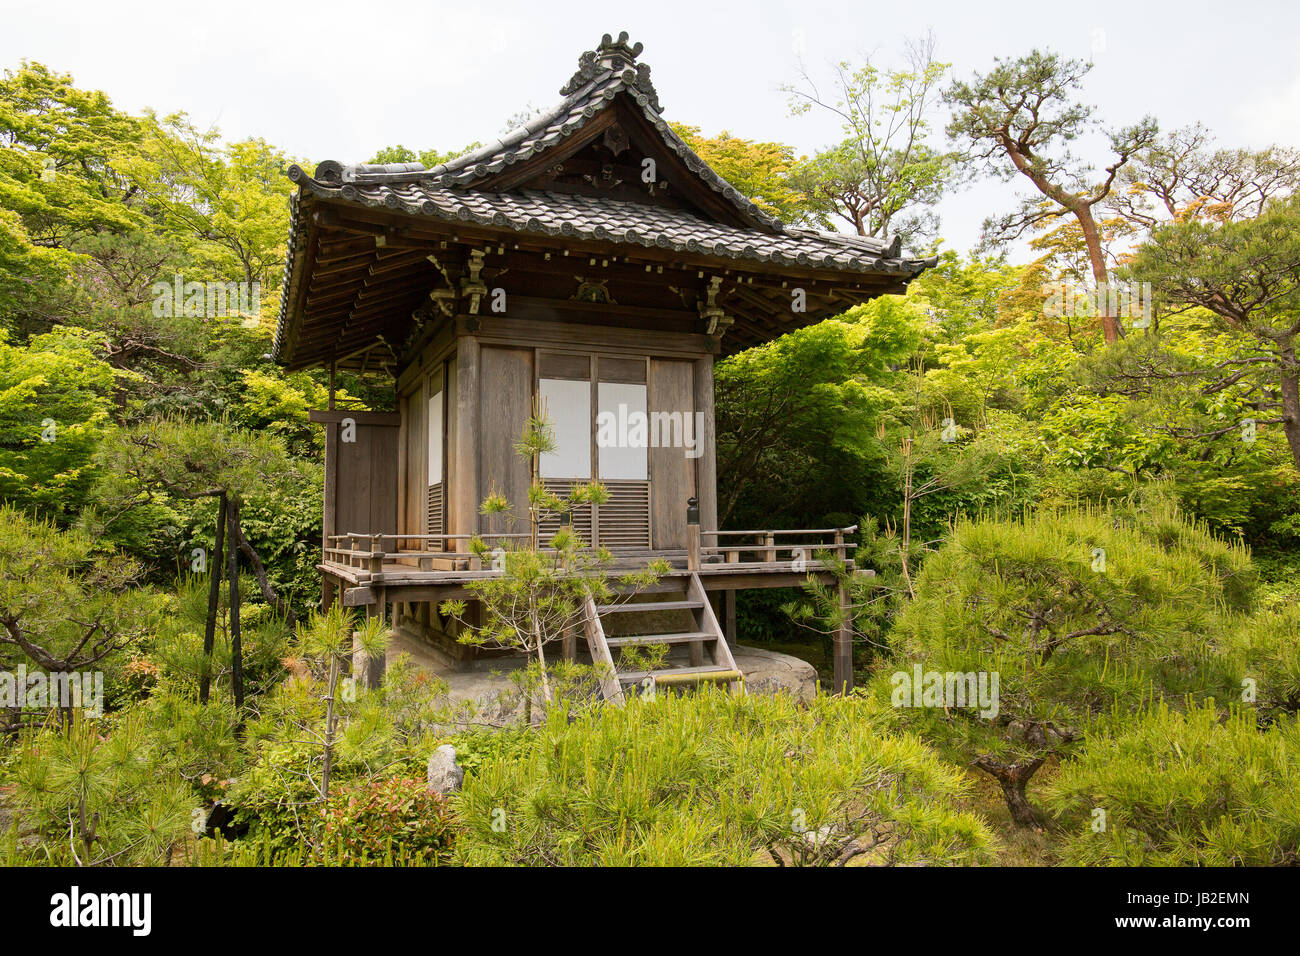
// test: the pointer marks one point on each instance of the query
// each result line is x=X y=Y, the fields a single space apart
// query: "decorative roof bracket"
x=716 y=320
x=471 y=285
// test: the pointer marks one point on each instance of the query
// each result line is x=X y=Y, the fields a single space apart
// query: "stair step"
x=679 y=637
x=650 y=606
x=682 y=675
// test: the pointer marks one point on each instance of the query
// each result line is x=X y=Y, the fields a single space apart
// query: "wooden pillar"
x=465 y=491
x=236 y=643
x=729 y=616
x=371 y=669
x=706 y=466
x=216 y=569
x=843 y=646
x=692 y=547
x=330 y=501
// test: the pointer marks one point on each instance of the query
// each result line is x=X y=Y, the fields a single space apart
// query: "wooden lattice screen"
x=622 y=522
x=435 y=512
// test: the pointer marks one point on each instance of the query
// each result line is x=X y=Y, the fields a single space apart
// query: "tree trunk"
x=1014 y=778
x=1290 y=384
x=236 y=648
x=259 y=571
x=1091 y=237
x=216 y=565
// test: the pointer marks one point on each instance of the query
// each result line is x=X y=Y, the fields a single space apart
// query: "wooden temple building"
x=588 y=259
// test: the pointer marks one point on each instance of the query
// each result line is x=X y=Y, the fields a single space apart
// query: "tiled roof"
x=450 y=192
x=602 y=74
x=627 y=222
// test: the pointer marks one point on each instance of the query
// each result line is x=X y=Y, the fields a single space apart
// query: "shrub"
x=711 y=779
x=101 y=796
x=1271 y=643
x=317 y=729
x=1071 y=611
x=365 y=823
x=1184 y=789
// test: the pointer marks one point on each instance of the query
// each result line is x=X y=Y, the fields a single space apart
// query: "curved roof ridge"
x=604 y=73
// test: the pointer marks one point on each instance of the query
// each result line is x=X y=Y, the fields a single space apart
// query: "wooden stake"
x=843 y=646
x=236 y=648
x=215 y=567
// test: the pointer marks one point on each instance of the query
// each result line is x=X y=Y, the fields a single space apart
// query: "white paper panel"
x=622 y=433
x=568 y=405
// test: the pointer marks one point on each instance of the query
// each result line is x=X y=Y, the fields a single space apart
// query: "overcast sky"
x=327 y=80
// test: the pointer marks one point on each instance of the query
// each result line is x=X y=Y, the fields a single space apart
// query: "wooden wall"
x=505 y=397
x=491 y=380
x=360 y=475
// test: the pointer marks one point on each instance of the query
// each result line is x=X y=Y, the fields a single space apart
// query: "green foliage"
x=796 y=417
x=365 y=821
x=711 y=779
x=317 y=729
x=1247 y=274
x=66 y=603
x=56 y=396
x=429 y=158
x=1271 y=642
x=1075 y=612
x=1187 y=788
x=761 y=172
x=102 y=799
x=58 y=146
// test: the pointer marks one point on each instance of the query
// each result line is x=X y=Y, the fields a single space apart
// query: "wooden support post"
x=706 y=466
x=371 y=669
x=843 y=646
x=769 y=542
x=692 y=533
x=216 y=567
x=465 y=493
x=569 y=644
x=729 y=616
x=329 y=509
x=236 y=645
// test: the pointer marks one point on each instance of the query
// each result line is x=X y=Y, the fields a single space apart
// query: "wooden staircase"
x=697 y=652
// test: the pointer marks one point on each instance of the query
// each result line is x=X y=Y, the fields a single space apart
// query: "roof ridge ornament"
x=614 y=56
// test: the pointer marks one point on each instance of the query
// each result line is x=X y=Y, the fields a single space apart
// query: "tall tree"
x=1248 y=274
x=1020 y=118
x=884 y=174
x=226 y=202
x=1181 y=176
x=761 y=171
